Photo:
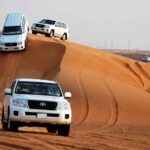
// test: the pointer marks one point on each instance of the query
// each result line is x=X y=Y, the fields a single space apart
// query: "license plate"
x=41 y=116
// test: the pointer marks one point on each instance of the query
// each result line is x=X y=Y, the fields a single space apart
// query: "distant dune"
x=111 y=99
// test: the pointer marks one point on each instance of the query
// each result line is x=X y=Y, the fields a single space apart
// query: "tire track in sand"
x=128 y=67
x=85 y=101
x=114 y=113
x=114 y=107
x=142 y=71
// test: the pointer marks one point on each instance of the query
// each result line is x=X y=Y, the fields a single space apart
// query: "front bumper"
x=41 y=30
x=29 y=116
x=12 y=48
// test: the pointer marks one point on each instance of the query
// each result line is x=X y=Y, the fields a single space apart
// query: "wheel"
x=11 y=126
x=52 y=33
x=47 y=35
x=4 y=121
x=34 y=32
x=51 y=129
x=64 y=37
x=64 y=130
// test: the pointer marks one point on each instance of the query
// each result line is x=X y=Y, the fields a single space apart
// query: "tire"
x=12 y=126
x=51 y=129
x=34 y=32
x=64 y=130
x=64 y=37
x=52 y=33
x=47 y=35
x=4 y=124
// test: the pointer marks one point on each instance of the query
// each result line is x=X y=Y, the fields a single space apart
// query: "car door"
x=57 y=29
x=62 y=29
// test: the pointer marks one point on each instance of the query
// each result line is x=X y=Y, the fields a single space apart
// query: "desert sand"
x=111 y=96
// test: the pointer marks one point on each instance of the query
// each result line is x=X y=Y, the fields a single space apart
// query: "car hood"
x=38 y=97
x=11 y=38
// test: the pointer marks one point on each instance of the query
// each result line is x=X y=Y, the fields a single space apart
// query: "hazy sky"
x=97 y=23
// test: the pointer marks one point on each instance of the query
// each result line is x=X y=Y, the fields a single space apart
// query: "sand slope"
x=111 y=99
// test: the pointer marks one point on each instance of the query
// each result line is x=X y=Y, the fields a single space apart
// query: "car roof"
x=13 y=19
x=35 y=80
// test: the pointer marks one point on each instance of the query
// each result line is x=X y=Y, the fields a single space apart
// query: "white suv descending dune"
x=51 y=28
x=35 y=102
x=14 y=36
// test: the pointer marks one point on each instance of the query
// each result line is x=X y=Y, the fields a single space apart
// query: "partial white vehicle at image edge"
x=14 y=36
x=35 y=102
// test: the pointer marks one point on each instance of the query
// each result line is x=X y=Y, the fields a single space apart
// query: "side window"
x=60 y=25
x=23 y=24
x=57 y=24
x=13 y=85
x=24 y=20
x=65 y=26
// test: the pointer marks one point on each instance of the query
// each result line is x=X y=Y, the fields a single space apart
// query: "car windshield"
x=38 y=88
x=12 y=30
x=51 y=22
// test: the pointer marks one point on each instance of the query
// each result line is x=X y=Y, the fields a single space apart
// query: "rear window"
x=51 y=22
x=12 y=30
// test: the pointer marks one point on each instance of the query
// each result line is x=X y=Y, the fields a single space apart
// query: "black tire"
x=51 y=129
x=3 y=120
x=11 y=126
x=64 y=130
x=34 y=32
x=64 y=37
x=47 y=35
x=52 y=33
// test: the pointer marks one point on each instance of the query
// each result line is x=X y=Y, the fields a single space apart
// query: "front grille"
x=10 y=44
x=40 y=25
x=44 y=105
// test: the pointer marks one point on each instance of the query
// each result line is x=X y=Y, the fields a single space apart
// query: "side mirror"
x=7 y=91
x=67 y=95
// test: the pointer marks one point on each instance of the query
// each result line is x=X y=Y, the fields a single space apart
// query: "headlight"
x=63 y=106
x=2 y=43
x=19 y=43
x=20 y=102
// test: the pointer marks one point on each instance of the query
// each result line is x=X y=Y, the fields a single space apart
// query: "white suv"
x=51 y=28
x=35 y=102
x=14 y=36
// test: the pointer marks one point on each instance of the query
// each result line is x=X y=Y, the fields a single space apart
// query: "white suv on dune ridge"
x=51 y=28
x=35 y=102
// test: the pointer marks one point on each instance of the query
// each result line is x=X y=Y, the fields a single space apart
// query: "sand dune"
x=111 y=96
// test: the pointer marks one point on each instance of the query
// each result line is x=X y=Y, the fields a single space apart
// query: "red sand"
x=111 y=99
